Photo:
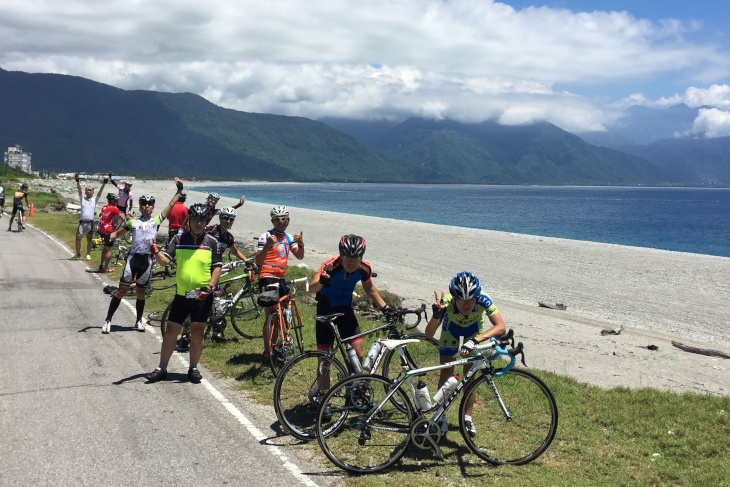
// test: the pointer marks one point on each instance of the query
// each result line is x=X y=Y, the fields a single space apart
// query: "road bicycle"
x=19 y=219
x=280 y=344
x=514 y=414
x=240 y=307
x=306 y=378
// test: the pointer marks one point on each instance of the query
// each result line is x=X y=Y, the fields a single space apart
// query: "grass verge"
x=616 y=437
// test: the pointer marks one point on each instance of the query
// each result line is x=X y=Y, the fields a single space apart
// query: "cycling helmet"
x=24 y=186
x=145 y=199
x=112 y=197
x=199 y=210
x=182 y=197
x=465 y=285
x=214 y=196
x=352 y=246
x=228 y=211
x=128 y=183
x=279 y=211
x=89 y=188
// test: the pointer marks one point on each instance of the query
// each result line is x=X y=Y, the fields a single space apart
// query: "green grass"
x=605 y=437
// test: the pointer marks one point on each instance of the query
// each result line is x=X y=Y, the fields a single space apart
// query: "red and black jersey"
x=342 y=284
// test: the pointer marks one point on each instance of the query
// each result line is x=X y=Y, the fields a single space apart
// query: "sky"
x=573 y=63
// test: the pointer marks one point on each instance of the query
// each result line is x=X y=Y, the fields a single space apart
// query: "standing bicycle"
x=364 y=428
x=307 y=377
x=283 y=327
x=18 y=208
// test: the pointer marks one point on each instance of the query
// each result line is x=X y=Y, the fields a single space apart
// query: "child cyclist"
x=139 y=262
x=272 y=255
x=461 y=314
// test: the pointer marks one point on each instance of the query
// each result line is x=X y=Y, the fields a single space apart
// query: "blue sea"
x=695 y=220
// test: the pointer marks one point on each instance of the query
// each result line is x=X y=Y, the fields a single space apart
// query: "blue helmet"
x=465 y=285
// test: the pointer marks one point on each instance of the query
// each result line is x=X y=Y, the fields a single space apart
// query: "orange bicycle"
x=280 y=342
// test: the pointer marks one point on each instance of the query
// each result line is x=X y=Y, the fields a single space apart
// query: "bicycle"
x=306 y=378
x=241 y=307
x=514 y=414
x=20 y=219
x=280 y=345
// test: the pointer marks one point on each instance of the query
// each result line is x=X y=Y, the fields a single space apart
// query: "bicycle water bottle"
x=287 y=315
x=445 y=390
x=372 y=355
x=353 y=358
x=422 y=396
x=216 y=306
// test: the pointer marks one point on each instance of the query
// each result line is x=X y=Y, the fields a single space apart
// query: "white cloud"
x=463 y=59
x=713 y=122
x=714 y=96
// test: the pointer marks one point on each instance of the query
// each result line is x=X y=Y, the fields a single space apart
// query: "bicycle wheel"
x=297 y=392
x=356 y=437
x=246 y=316
x=524 y=437
x=277 y=350
x=20 y=221
x=425 y=353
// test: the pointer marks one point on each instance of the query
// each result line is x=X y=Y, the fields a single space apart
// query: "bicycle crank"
x=426 y=435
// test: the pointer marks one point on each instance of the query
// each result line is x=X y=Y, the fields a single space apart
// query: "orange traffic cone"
x=32 y=210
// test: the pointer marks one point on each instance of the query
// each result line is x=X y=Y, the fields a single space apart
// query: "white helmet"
x=228 y=211
x=279 y=211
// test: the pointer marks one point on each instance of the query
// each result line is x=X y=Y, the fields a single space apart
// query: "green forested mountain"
x=491 y=153
x=74 y=124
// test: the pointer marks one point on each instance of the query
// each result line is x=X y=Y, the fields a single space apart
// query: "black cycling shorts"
x=197 y=309
x=106 y=239
x=138 y=266
x=347 y=325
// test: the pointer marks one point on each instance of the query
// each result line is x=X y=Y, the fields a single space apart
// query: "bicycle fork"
x=495 y=393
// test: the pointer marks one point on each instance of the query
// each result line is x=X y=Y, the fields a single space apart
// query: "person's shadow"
x=171 y=377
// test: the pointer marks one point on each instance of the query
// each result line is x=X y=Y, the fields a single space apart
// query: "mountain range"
x=75 y=124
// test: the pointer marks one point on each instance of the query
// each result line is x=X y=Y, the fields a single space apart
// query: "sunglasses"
x=281 y=219
x=146 y=203
x=231 y=218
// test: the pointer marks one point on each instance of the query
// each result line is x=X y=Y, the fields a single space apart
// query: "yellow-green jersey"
x=196 y=257
x=455 y=325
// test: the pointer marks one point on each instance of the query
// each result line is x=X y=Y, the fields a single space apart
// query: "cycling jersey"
x=106 y=218
x=225 y=240
x=123 y=196
x=88 y=208
x=455 y=325
x=276 y=257
x=342 y=284
x=196 y=257
x=18 y=200
x=2 y=193
x=176 y=217
x=142 y=232
x=213 y=212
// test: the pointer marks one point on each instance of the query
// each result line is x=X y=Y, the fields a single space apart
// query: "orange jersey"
x=277 y=256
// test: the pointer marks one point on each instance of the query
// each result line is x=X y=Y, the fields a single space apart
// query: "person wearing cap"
x=88 y=201
x=125 y=198
x=107 y=217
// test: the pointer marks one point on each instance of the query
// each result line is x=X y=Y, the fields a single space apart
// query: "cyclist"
x=222 y=233
x=88 y=202
x=461 y=315
x=198 y=271
x=125 y=198
x=18 y=197
x=177 y=216
x=107 y=217
x=139 y=261
x=272 y=255
x=2 y=199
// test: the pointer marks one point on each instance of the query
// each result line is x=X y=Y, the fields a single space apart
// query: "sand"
x=656 y=295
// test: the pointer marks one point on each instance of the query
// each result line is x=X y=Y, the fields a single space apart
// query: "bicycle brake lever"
x=518 y=351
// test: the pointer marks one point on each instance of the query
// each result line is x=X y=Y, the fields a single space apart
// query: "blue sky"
x=577 y=64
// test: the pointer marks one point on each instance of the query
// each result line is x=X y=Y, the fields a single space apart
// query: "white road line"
x=218 y=396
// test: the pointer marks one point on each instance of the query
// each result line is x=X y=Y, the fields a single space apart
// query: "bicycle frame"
x=295 y=320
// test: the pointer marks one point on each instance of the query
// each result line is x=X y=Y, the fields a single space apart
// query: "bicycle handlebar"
x=398 y=314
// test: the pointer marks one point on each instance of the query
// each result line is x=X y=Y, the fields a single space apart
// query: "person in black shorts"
x=18 y=197
x=334 y=284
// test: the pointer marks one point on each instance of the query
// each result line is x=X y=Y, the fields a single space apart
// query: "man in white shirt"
x=125 y=201
x=88 y=202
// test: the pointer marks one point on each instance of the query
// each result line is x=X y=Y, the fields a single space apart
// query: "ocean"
x=695 y=220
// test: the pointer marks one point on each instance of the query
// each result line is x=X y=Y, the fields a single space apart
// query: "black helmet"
x=24 y=186
x=112 y=197
x=352 y=246
x=182 y=197
x=146 y=199
x=198 y=210
x=465 y=285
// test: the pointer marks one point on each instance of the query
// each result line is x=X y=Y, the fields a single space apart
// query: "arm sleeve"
x=171 y=247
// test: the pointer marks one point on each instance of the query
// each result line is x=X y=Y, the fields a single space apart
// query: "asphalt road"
x=75 y=408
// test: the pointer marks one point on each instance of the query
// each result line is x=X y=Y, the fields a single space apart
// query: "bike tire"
x=246 y=316
x=163 y=323
x=425 y=353
x=533 y=423
x=20 y=222
x=342 y=432
x=295 y=396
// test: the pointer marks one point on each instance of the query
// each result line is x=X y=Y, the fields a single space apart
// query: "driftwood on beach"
x=559 y=306
x=701 y=351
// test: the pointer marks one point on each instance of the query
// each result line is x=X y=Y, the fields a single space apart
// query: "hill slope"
x=74 y=124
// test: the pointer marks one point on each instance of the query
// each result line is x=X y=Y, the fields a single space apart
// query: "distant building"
x=17 y=159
